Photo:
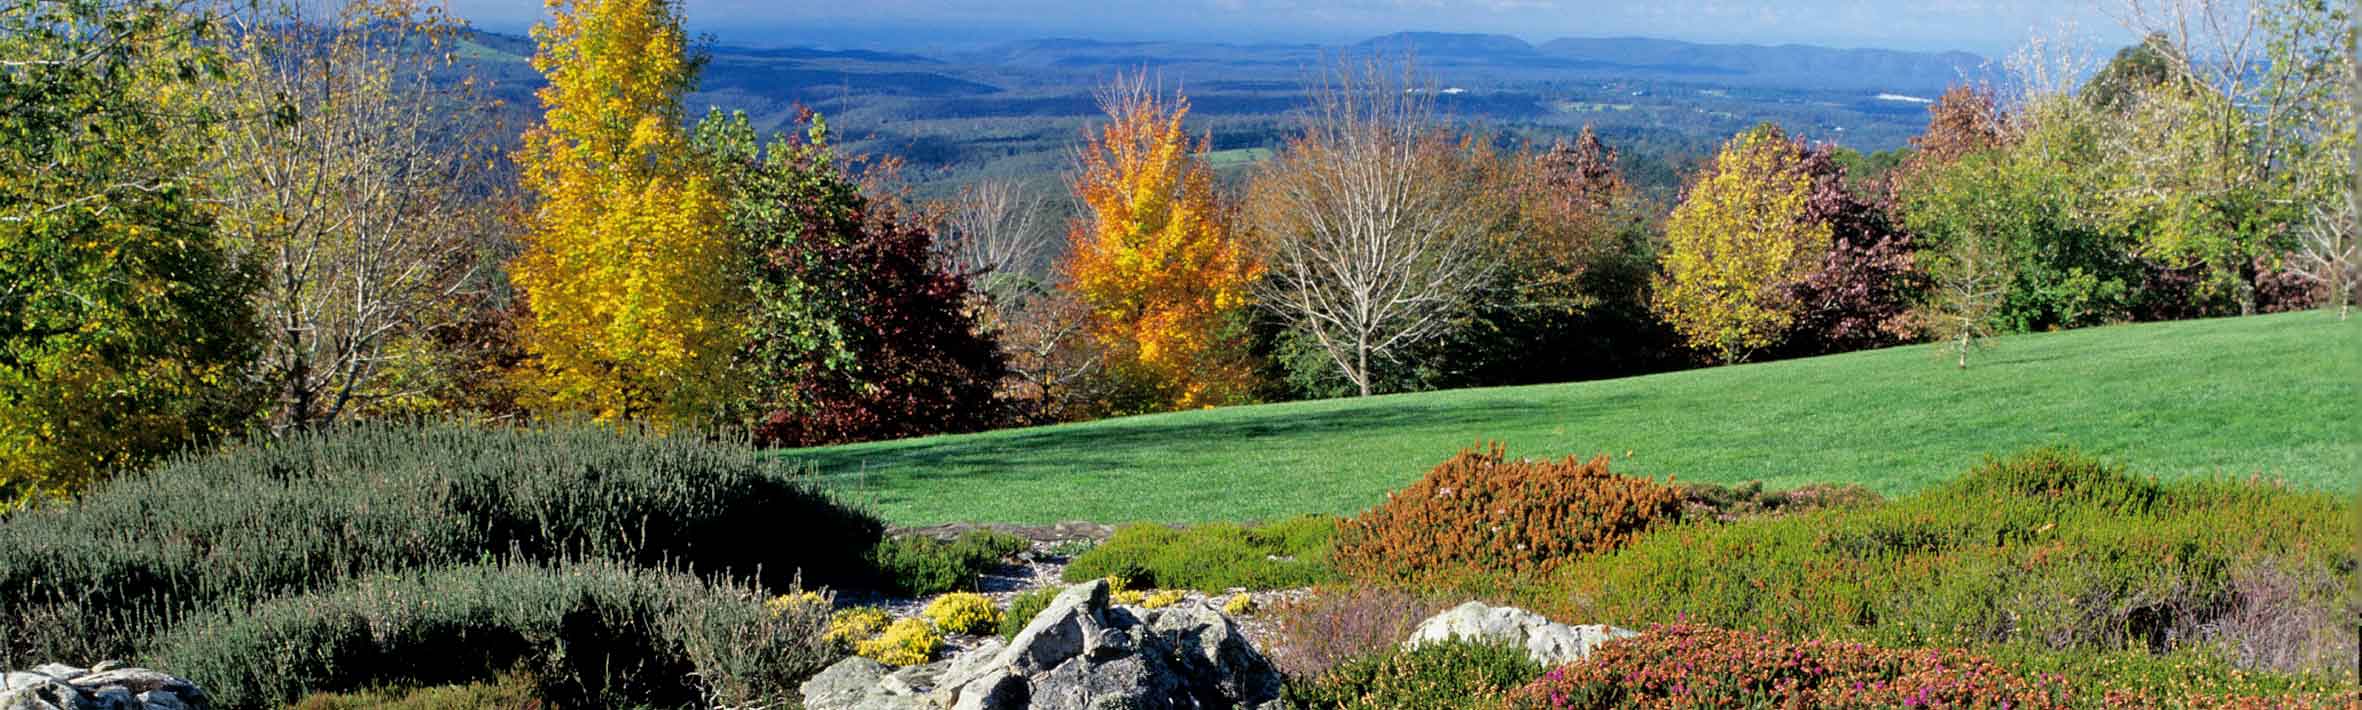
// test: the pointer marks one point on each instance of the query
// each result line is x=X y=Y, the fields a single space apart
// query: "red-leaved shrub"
x=1678 y=665
x=1481 y=512
x=1685 y=666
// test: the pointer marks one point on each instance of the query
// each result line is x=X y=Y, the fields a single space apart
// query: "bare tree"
x=1378 y=225
x=2328 y=256
x=996 y=232
x=344 y=175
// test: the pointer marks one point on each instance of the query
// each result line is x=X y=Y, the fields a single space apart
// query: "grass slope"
x=2269 y=394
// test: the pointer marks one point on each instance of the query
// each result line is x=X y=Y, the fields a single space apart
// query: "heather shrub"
x=508 y=691
x=1683 y=666
x=1315 y=633
x=850 y=626
x=907 y=642
x=1437 y=676
x=591 y=634
x=309 y=512
x=963 y=613
x=2046 y=553
x=924 y=566
x=1023 y=608
x=1481 y=512
x=1720 y=502
x=1689 y=666
x=1213 y=557
x=2059 y=476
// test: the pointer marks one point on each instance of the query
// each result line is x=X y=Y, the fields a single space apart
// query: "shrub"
x=857 y=624
x=925 y=566
x=2063 y=477
x=2046 y=553
x=908 y=642
x=1691 y=666
x=1725 y=503
x=1329 y=627
x=509 y=691
x=1163 y=598
x=963 y=613
x=1481 y=512
x=1437 y=676
x=1687 y=666
x=1239 y=605
x=1214 y=557
x=798 y=603
x=1023 y=608
x=593 y=634
x=306 y=513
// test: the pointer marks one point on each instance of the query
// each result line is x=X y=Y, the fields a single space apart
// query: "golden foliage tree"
x=1155 y=259
x=631 y=278
x=1736 y=242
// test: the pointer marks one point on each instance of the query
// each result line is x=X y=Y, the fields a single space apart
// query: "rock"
x=853 y=684
x=1549 y=643
x=59 y=671
x=111 y=686
x=1080 y=653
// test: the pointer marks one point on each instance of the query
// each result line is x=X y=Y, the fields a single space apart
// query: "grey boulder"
x=1080 y=653
x=1549 y=643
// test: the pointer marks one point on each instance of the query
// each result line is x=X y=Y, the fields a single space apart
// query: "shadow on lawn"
x=1132 y=444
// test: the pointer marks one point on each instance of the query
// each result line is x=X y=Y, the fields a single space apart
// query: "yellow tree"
x=1736 y=242
x=1155 y=259
x=631 y=278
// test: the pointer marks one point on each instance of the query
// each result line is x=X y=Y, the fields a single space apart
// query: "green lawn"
x=2270 y=394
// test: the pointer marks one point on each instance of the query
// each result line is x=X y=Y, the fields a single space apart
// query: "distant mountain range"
x=1014 y=109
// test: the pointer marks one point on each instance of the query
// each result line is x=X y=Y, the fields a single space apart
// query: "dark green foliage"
x=1215 y=556
x=1438 y=676
x=925 y=566
x=261 y=521
x=2047 y=552
x=592 y=635
x=1023 y=608
x=858 y=330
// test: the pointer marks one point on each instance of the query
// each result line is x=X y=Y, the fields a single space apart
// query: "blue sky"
x=1987 y=27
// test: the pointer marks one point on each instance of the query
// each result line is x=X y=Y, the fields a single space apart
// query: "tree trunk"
x=1361 y=354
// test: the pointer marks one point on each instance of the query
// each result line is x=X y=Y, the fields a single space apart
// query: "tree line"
x=239 y=219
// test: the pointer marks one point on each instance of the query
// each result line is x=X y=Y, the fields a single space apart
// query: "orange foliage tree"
x=1155 y=259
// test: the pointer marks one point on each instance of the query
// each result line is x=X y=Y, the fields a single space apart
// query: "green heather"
x=2238 y=396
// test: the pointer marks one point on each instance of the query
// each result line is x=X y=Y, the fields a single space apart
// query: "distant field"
x=1237 y=156
x=2270 y=394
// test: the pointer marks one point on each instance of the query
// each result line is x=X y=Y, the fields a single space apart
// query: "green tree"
x=123 y=321
x=857 y=328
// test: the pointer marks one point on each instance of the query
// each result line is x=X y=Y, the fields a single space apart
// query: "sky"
x=1988 y=27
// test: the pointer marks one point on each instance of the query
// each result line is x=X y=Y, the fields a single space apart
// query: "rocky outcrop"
x=1549 y=643
x=1080 y=653
x=109 y=686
